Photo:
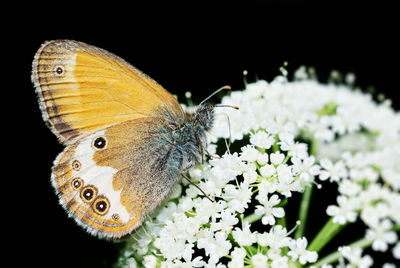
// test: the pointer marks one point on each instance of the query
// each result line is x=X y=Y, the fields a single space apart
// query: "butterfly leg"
x=198 y=187
x=212 y=155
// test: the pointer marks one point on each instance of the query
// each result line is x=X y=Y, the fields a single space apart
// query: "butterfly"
x=127 y=139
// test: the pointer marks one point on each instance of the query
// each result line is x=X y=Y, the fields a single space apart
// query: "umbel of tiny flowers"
x=288 y=136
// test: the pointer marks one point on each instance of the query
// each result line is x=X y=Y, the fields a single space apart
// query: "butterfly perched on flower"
x=127 y=139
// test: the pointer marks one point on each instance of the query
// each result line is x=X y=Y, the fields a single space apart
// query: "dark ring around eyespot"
x=101 y=205
x=59 y=70
x=99 y=143
x=76 y=165
x=88 y=193
x=77 y=183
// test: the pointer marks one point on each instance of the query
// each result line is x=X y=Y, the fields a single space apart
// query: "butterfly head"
x=204 y=117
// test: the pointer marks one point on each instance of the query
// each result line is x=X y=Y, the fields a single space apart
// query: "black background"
x=197 y=47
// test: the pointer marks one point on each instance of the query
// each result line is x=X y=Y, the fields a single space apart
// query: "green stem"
x=252 y=218
x=306 y=198
x=327 y=232
x=304 y=206
x=281 y=221
x=275 y=147
x=361 y=243
x=313 y=147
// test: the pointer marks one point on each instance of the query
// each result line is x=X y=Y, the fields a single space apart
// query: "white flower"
x=372 y=194
x=196 y=262
x=349 y=188
x=238 y=254
x=259 y=260
x=205 y=209
x=165 y=213
x=335 y=171
x=215 y=246
x=244 y=236
x=227 y=220
x=169 y=242
x=238 y=198
x=268 y=209
x=132 y=263
x=250 y=176
x=227 y=167
x=396 y=251
x=280 y=262
x=276 y=238
x=346 y=211
x=286 y=183
x=267 y=171
x=150 y=261
x=304 y=168
x=353 y=255
x=249 y=153
x=294 y=148
x=322 y=128
x=298 y=251
x=372 y=214
x=388 y=265
x=262 y=159
x=277 y=158
x=382 y=235
x=285 y=174
x=262 y=139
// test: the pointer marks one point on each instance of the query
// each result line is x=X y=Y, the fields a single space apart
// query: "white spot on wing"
x=99 y=176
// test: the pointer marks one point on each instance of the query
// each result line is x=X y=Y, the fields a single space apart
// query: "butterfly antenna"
x=198 y=187
x=215 y=92
x=227 y=105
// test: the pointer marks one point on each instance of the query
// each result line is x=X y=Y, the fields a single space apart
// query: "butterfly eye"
x=99 y=143
x=59 y=70
x=88 y=193
x=101 y=205
x=77 y=183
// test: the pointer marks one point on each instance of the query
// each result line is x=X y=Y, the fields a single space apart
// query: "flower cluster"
x=289 y=135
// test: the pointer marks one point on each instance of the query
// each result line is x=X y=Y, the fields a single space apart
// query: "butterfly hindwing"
x=112 y=179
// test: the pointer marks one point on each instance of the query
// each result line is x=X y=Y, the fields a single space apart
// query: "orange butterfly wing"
x=118 y=165
x=110 y=190
x=83 y=88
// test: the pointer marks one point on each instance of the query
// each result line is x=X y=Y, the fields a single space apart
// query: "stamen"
x=298 y=222
x=318 y=185
x=245 y=72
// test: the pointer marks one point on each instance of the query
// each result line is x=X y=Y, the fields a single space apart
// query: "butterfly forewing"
x=83 y=88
